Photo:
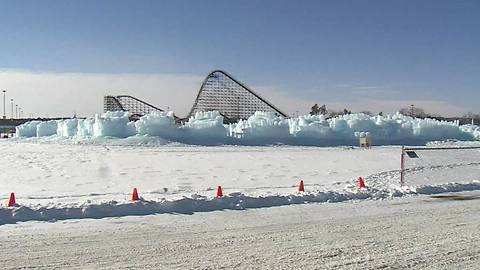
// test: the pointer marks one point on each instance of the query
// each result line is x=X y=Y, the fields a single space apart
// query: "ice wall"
x=161 y=124
x=262 y=128
x=67 y=128
x=28 y=129
x=113 y=124
x=204 y=128
x=47 y=128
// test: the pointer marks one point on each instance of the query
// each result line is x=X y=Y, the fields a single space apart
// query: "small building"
x=364 y=141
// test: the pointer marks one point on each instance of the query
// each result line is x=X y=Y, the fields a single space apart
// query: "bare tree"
x=471 y=115
x=369 y=113
x=414 y=112
x=318 y=110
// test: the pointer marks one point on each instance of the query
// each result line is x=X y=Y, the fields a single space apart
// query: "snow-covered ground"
x=55 y=181
x=83 y=190
x=419 y=232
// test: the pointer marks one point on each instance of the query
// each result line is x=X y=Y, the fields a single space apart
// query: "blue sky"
x=373 y=55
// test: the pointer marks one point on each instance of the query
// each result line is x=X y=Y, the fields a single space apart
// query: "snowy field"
x=55 y=181
x=74 y=210
x=419 y=232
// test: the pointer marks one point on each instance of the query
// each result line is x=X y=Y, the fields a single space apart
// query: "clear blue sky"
x=316 y=50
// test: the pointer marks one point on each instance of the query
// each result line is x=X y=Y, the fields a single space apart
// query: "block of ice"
x=67 y=127
x=261 y=128
x=203 y=128
x=161 y=124
x=47 y=128
x=28 y=129
x=85 y=127
x=113 y=124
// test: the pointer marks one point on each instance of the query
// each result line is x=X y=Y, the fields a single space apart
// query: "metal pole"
x=4 y=116
x=11 y=113
x=16 y=111
x=402 y=166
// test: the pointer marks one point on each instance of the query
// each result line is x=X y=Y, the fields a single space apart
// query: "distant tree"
x=315 y=109
x=323 y=109
x=367 y=113
x=345 y=111
x=414 y=112
x=471 y=115
x=318 y=110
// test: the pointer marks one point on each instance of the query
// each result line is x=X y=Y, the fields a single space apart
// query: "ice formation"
x=262 y=128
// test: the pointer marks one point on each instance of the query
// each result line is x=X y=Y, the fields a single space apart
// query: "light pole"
x=19 y=116
x=4 y=116
x=16 y=111
x=11 y=113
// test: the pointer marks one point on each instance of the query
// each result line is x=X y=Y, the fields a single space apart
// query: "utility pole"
x=4 y=116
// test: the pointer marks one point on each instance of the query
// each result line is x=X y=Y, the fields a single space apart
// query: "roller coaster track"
x=218 y=92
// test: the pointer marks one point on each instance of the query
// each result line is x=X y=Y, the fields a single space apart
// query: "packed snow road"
x=419 y=232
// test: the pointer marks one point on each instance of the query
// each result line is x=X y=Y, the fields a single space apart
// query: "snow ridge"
x=233 y=201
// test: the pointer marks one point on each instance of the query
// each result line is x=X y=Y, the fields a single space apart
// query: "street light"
x=4 y=116
x=11 y=113
x=16 y=111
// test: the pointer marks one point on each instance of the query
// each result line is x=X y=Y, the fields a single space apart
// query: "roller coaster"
x=218 y=92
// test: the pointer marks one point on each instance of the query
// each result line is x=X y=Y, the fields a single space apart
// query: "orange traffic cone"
x=219 y=192
x=135 y=195
x=301 y=187
x=11 y=202
x=361 y=183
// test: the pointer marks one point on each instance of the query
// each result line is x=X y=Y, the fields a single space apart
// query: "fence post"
x=402 y=166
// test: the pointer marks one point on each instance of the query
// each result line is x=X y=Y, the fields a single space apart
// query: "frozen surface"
x=408 y=233
x=262 y=128
x=63 y=181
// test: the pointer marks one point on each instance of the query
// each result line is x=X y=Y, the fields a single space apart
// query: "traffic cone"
x=219 y=192
x=301 y=187
x=361 y=183
x=135 y=195
x=11 y=202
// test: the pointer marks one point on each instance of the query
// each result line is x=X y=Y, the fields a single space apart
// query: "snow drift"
x=198 y=203
x=262 y=128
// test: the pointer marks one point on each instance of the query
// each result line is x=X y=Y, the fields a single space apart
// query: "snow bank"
x=262 y=128
x=198 y=203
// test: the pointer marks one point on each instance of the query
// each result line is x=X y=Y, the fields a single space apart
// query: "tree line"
x=411 y=110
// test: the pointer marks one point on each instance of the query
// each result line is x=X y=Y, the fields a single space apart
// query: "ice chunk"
x=67 y=128
x=113 y=124
x=47 y=128
x=28 y=129
x=160 y=124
